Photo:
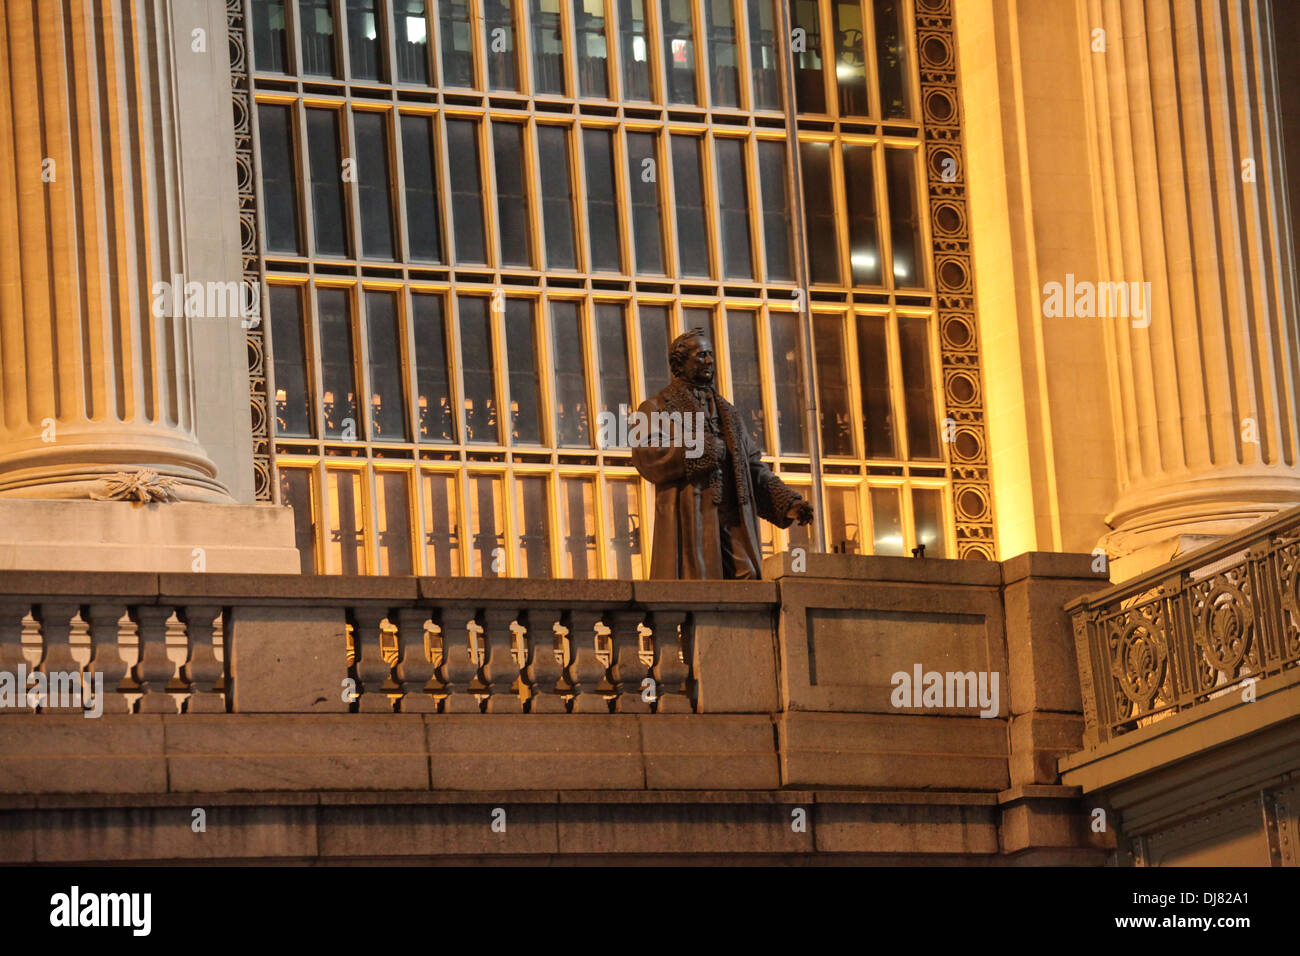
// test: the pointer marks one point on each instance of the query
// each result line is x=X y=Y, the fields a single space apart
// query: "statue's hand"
x=801 y=511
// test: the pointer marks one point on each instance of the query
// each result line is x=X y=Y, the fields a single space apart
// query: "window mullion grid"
x=668 y=188
x=897 y=394
x=500 y=366
x=767 y=381
x=754 y=211
x=744 y=75
x=703 y=80
x=433 y=46
x=292 y=26
x=855 y=397
x=655 y=52
x=869 y=61
x=478 y=45
x=352 y=189
x=303 y=181
x=397 y=184
x=582 y=223
x=614 y=51
x=623 y=199
x=711 y=198
x=486 y=129
x=442 y=176
x=342 y=43
x=569 y=44
x=317 y=377
x=830 y=83
x=884 y=217
x=531 y=179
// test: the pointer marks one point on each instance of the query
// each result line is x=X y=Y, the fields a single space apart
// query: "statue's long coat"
x=687 y=542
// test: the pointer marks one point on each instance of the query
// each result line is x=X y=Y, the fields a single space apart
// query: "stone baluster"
x=627 y=670
x=585 y=668
x=373 y=669
x=154 y=669
x=670 y=670
x=13 y=665
x=500 y=665
x=544 y=669
x=202 y=670
x=56 y=634
x=414 y=669
x=106 y=654
x=459 y=664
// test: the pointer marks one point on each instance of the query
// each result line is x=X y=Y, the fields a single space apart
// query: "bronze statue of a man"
x=709 y=493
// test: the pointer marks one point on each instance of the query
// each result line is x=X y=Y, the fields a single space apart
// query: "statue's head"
x=690 y=357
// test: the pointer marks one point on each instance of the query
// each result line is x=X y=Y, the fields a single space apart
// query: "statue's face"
x=698 y=368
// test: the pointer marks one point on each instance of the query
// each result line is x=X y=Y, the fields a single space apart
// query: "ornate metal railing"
x=1191 y=630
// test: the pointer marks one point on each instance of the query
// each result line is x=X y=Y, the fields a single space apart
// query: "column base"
x=67 y=535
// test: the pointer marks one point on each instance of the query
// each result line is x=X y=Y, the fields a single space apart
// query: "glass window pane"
x=295 y=493
x=338 y=372
x=578 y=528
x=843 y=525
x=635 y=53
x=692 y=227
x=316 y=26
x=724 y=71
x=623 y=520
x=918 y=391
x=850 y=61
x=656 y=333
x=412 y=41
x=487 y=518
x=611 y=333
x=279 y=189
x=733 y=205
x=891 y=59
x=466 y=191
x=557 y=197
x=345 y=548
x=525 y=379
x=927 y=511
x=531 y=501
x=589 y=32
x=886 y=521
x=478 y=370
x=700 y=318
x=904 y=222
x=643 y=175
x=499 y=44
x=819 y=208
x=328 y=206
x=548 y=47
x=679 y=50
x=433 y=383
x=572 y=428
x=372 y=181
x=441 y=524
x=292 y=410
x=873 y=375
x=864 y=229
x=387 y=396
x=764 y=60
x=746 y=376
x=393 y=508
x=515 y=237
x=457 y=43
x=798 y=536
x=787 y=372
x=602 y=203
x=810 y=88
x=423 y=226
x=364 y=41
x=268 y=35
x=776 y=210
x=832 y=386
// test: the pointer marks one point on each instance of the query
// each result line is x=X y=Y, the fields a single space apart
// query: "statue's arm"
x=773 y=498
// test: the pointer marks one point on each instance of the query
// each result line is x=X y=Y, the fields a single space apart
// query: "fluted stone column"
x=1205 y=397
x=94 y=384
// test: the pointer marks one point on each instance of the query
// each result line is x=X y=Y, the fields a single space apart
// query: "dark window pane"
x=891 y=58
x=679 y=50
x=557 y=197
x=927 y=510
x=904 y=221
x=292 y=412
x=279 y=191
x=873 y=374
x=700 y=318
x=268 y=36
x=656 y=332
x=457 y=44
x=572 y=428
x=372 y=180
x=787 y=373
x=746 y=377
x=466 y=191
x=819 y=209
x=843 y=527
x=643 y=174
x=776 y=210
x=525 y=381
x=623 y=515
x=615 y=381
x=295 y=493
x=724 y=71
x=864 y=228
x=412 y=40
x=316 y=25
x=364 y=41
x=393 y=507
x=548 y=47
x=534 y=540
x=442 y=523
x=423 y=232
x=433 y=384
x=327 y=183
x=577 y=527
x=733 y=203
x=832 y=386
x=602 y=203
x=887 y=521
x=589 y=30
x=477 y=369
x=338 y=372
x=634 y=50
x=806 y=49
x=692 y=227
x=387 y=396
x=764 y=61
x=512 y=198
x=850 y=61
x=487 y=517
x=918 y=391
x=499 y=44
